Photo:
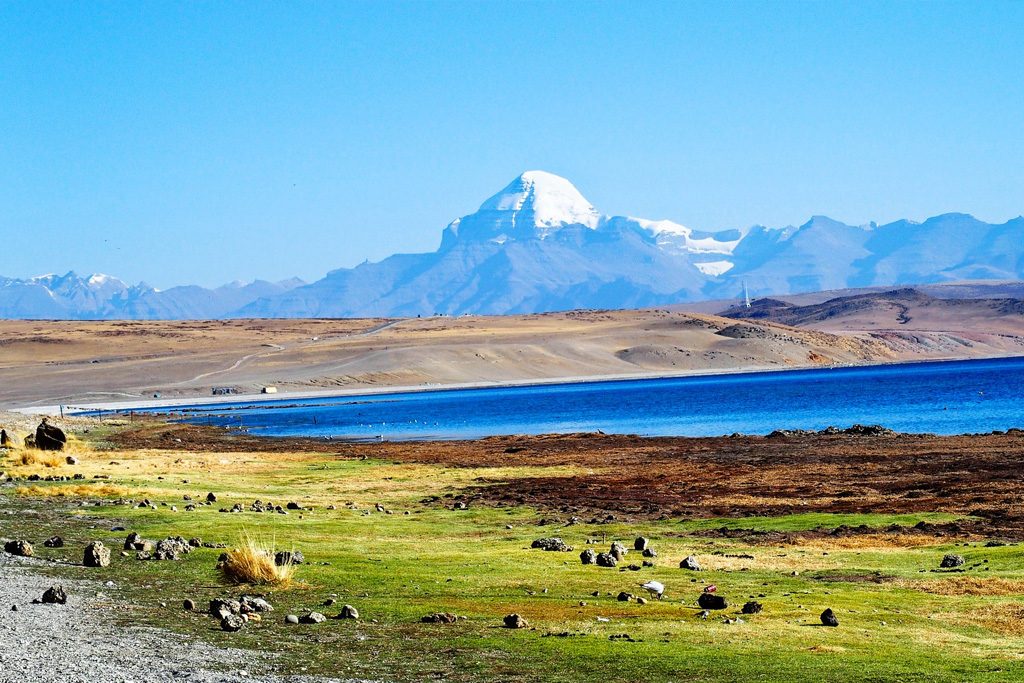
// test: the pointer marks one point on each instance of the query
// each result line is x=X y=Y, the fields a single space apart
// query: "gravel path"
x=80 y=642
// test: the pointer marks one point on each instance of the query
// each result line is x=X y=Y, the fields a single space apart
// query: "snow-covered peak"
x=547 y=200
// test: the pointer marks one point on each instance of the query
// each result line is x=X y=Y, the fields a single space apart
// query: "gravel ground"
x=79 y=642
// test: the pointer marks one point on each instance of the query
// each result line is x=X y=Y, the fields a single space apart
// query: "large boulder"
x=606 y=560
x=50 y=438
x=588 y=556
x=618 y=551
x=96 y=555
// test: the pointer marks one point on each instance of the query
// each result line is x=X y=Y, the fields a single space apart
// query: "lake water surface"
x=946 y=398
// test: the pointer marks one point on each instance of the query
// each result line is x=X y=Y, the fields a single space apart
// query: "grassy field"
x=900 y=619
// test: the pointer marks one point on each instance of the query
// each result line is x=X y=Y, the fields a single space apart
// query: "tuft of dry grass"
x=30 y=457
x=75 y=491
x=253 y=563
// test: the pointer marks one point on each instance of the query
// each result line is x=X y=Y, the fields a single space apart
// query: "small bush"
x=253 y=563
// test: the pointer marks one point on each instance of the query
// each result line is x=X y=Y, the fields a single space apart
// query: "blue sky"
x=207 y=142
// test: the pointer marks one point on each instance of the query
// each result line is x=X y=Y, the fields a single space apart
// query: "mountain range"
x=539 y=245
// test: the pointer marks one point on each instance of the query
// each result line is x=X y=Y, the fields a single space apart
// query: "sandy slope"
x=75 y=363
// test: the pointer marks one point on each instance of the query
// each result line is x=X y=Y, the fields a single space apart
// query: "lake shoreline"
x=151 y=405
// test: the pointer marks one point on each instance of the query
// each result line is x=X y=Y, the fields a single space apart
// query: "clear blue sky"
x=210 y=141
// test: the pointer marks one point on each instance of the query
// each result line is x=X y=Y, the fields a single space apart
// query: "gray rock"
x=551 y=545
x=649 y=552
x=291 y=619
x=188 y=605
x=618 y=551
x=232 y=622
x=348 y=612
x=54 y=542
x=96 y=555
x=588 y=556
x=640 y=543
x=690 y=562
x=286 y=557
x=950 y=561
x=312 y=618
x=606 y=560
x=515 y=621
x=828 y=618
x=625 y=597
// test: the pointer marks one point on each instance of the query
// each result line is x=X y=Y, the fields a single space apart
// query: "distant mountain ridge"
x=102 y=297
x=538 y=245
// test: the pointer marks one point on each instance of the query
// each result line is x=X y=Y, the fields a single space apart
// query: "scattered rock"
x=291 y=619
x=348 y=612
x=440 y=618
x=96 y=555
x=649 y=552
x=551 y=545
x=618 y=551
x=712 y=601
x=640 y=543
x=828 y=618
x=19 y=548
x=249 y=604
x=312 y=618
x=221 y=607
x=55 y=595
x=71 y=460
x=690 y=562
x=515 y=621
x=606 y=560
x=625 y=597
x=211 y=497
x=54 y=542
x=752 y=607
x=588 y=556
x=232 y=622
x=286 y=557
x=950 y=561
x=188 y=605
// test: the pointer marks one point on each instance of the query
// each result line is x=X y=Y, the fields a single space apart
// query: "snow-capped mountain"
x=102 y=297
x=539 y=245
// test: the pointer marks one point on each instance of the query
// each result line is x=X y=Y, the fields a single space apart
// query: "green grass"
x=396 y=568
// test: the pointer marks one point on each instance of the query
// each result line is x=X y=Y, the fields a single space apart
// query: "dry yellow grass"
x=967 y=585
x=32 y=458
x=77 y=491
x=253 y=563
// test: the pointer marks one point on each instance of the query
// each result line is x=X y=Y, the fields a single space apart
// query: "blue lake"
x=945 y=398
